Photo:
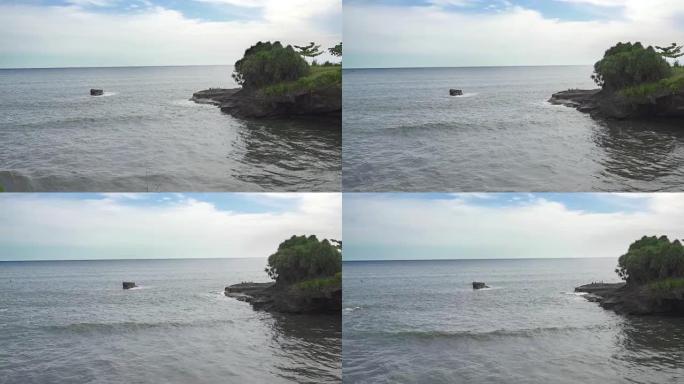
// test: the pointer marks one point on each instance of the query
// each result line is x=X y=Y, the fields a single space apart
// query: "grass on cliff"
x=667 y=285
x=320 y=284
x=320 y=77
x=673 y=83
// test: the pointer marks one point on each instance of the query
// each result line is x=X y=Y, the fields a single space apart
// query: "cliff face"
x=633 y=299
x=287 y=298
x=254 y=104
x=600 y=103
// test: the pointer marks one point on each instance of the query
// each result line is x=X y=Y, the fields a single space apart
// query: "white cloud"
x=112 y=227
x=539 y=228
x=76 y=36
x=432 y=36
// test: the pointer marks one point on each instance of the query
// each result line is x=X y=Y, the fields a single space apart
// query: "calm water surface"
x=145 y=135
x=403 y=132
x=421 y=322
x=71 y=322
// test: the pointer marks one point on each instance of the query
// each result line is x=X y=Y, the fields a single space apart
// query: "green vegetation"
x=302 y=258
x=652 y=259
x=627 y=64
x=320 y=77
x=320 y=284
x=667 y=285
x=275 y=69
x=639 y=72
x=670 y=84
x=269 y=63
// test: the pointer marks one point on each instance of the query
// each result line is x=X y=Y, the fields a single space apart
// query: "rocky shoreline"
x=287 y=299
x=241 y=103
x=634 y=299
x=602 y=104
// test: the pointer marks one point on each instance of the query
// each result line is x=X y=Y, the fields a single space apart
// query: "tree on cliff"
x=269 y=63
x=336 y=50
x=301 y=258
x=650 y=259
x=310 y=50
x=628 y=64
x=674 y=51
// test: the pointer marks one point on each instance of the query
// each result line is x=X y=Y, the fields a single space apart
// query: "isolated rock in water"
x=96 y=92
x=455 y=92
x=129 y=285
x=479 y=285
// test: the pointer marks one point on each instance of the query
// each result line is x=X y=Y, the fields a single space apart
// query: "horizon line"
x=128 y=259
x=475 y=259
x=477 y=66
x=121 y=66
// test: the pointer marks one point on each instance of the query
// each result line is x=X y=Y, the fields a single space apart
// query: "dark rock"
x=632 y=299
x=479 y=285
x=603 y=104
x=455 y=92
x=254 y=104
x=128 y=285
x=287 y=299
x=96 y=92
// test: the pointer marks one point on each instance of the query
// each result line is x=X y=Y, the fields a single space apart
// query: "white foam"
x=352 y=309
x=463 y=95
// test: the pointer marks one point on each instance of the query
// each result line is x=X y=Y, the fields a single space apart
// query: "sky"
x=55 y=226
x=412 y=226
x=82 y=33
x=460 y=33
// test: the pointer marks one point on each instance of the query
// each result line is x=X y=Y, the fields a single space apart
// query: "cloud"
x=43 y=226
x=512 y=35
x=77 y=35
x=390 y=227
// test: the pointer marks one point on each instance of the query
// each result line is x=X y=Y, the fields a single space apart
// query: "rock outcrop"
x=479 y=285
x=128 y=285
x=287 y=298
x=631 y=299
x=455 y=92
x=255 y=104
x=603 y=104
x=96 y=92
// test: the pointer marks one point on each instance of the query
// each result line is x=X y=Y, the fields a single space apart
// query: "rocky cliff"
x=599 y=103
x=287 y=298
x=256 y=104
x=631 y=299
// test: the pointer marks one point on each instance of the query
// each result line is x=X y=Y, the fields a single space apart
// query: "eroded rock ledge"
x=254 y=104
x=635 y=299
x=287 y=299
x=600 y=103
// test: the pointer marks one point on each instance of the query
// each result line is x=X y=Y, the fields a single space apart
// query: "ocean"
x=421 y=322
x=71 y=322
x=403 y=132
x=145 y=135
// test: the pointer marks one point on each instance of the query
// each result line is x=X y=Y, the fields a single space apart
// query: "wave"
x=465 y=95
x=450 y=335
x=352 y=309
x=129 y=326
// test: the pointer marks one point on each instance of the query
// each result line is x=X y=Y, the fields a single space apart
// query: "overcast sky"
x=490 y=226
x=450 y=33
x=76 y=33
x=148 y=226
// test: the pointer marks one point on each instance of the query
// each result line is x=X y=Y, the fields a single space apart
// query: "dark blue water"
x=403 y=132
x=71 y=322
x=421 y=322
x=145 y=135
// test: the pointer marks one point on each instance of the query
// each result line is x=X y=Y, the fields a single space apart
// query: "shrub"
x=651 y=259
x=301 y=258
x=269 y=63
x=628 y=64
